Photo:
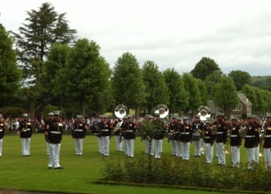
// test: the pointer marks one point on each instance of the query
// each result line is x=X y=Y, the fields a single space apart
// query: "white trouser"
x=1 y=144
x=130 y=147
x=157 y=146
x=221 y=153
x=209 y=153
x=147 y=147
x=197 y=147
x=47 y=148
x=267 y=157
x=118 y=142
x=25 y=146
x=100 y=145
x=54 y=151
x=78 y=143
x=105 y=145
x=257 y=151
x=250 y=156
x=235 y=156
x=173 y=145
x=185 y=147
x=124 y=145
x=202 y=146
x=178 y=149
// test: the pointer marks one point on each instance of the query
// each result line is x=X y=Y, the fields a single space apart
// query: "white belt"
x=55 y=132
x=219 y=132
x=129 y=131
x=78 y=130
x=185 y=133
x=268 y=136
x=234 y=135
x=207 y=137
x=196 y=134
x=104 y=129
x=250 y=136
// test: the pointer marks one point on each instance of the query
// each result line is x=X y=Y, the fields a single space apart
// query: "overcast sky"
x=172 y=33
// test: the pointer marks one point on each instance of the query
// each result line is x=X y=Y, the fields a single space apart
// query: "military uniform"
x=2 y=132
x=117 y=132
x=50 y=114
x=172 y=137
x=267 y=142
x=209 y=139
x=197 y=127
x=129 y=135
x=53 y=135
x=105 y=130
x=25 y=129
x=79 y=132
x=148 y=149
x=235 y=142
x=158 y=136
x=221 y=138
x=185 y=138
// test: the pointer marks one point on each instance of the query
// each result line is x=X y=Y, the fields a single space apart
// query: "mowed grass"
x=79 y=173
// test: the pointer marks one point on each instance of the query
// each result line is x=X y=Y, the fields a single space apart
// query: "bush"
x=12 y=112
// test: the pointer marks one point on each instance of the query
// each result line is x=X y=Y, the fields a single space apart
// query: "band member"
x=104 y=128
x=197 y=127
x=172 y=137
x=3 y=127
x=257 y=149
x=209 y=136
x=177 y=138
x=235 y=141
x=53 y=135
x=25 y=129
x=185 y=138
x=251 y=140
x=129 y=135
x=267 y=142
x=149 y=146
x=159 y=127
x=117 y=132
x=221 y=138
x=79 y=132
x=95 y=131
x=51 y=116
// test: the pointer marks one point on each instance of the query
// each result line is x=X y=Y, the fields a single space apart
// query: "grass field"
x=79 y=173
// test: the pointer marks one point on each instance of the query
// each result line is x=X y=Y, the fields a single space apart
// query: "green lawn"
x=31 y=173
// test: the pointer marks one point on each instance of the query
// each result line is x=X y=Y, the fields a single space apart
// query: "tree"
x=204 y=67
x=87 y=75
x=251 y=95
x=10 y=75
x=156 y=88
x=190 y=85
x=225 y=95
x=127 y=82
x=178 y=97
x=260 y=101
x=203 y=91
x=240 y=78
x=44 y=28
x=211 y=80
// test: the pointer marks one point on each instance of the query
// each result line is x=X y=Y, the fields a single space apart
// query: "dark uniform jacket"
x=159 y=129
x=25 y=129
x=54 y=133
x=173 y=131
x=185 y=133
x=2 y=130
x=267 y=136
x=252 y=136
x=129 y=130
x=104 y=128
x=79 y=130
x=221 y=133
x=118 y=131
x=209 y=137
x=235 y=138
x=197 y=128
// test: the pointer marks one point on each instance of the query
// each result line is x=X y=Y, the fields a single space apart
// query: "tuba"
x=120 y=111
x=162 y=109
x=204 y=112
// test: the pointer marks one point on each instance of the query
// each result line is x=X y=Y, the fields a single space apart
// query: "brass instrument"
x=162 y=109
x=242 y=132
x=120 y=111
x=204 y=112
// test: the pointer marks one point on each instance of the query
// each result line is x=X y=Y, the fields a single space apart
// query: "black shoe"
x=58 y=168
x=49 y=167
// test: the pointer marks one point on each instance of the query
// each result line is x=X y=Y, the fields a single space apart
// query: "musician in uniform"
x=146 y=139
x=79 y=132
x=185 y=138
x=197 y=127
x=3 y=127
x=267 y=141
x=251 y=140
x=129 y=135
x=177 y=138
x=53 y=135
x=221 y=138
x=209 y=136
x=257 y=150
x=117 y=132
x=51 y=116
x=25 y=129
x=104 y=128
x=159 y=127
x=235 y=141
x=172 y=134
